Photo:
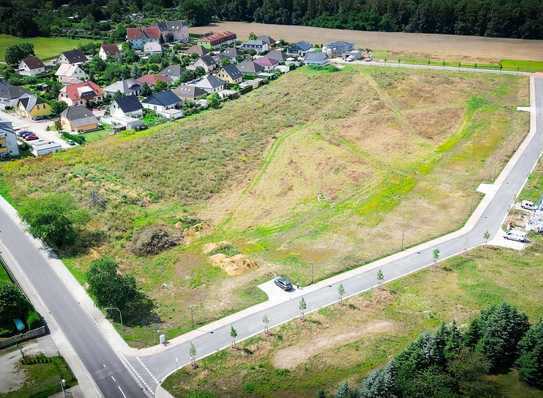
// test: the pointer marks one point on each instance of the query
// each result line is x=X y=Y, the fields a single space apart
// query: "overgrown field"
x=44 y=47
x=345 y=342
x=315 y=173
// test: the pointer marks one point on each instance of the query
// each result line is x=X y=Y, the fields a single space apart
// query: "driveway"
x=38 y=127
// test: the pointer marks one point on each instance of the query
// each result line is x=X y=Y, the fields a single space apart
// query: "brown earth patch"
x=291 y=357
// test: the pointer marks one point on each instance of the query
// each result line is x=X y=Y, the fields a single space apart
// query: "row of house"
x=162 y=32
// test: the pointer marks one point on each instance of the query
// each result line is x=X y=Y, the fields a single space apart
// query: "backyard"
x=44 y=47
x=313 y=174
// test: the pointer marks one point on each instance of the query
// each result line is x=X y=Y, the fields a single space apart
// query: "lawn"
x=43 y=378
x=313 y=174
x=44 y=47
x=346 y=341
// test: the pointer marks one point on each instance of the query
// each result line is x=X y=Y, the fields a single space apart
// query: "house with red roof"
x=218 y=40
x=152 y=79
x=138 y=37
x=81 y=93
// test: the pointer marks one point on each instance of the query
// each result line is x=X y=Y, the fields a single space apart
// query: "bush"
x=13 y=305
x=33 y=320
x=54 y=218
x=77 y=138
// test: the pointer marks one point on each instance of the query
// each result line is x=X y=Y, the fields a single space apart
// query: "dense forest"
x=496 y=18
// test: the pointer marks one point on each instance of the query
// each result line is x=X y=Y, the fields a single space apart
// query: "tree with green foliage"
x=343 y=391
x=160 y=86
x=234 y=335
x=192 y=354
x=197 y=12
x=302 y=306
x=146 y=90
x=530 y=362
x=380 y=276
x=341 y=292
x=214 y=100
x=14 y=54
x=57 y=107
x=54 y=218
x=13 y=305
x=379 y=383
x=496 y=333
x=110 y=288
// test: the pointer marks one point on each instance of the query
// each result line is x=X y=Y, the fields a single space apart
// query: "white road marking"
x=121 y=390
x=147 y=369
x=113 y=378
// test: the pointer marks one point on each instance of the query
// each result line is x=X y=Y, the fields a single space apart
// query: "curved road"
x=128 y=375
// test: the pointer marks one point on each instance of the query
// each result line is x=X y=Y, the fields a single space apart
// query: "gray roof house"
x=173 y=31
x=230 y=73
x=74 y=57
x=277 y=55
x=266 y=39
x=316 y=59
x=232 y=53
x=78 y=118
x=299 y=48
x=337 y=48
x=260 y=46
x=173 y=72
x=187 y=92
x=198 y=50
x=250 y=68
x=10 y=94
x=210 y=83
x=128 y=105
x=165 y=103
x=124 y=87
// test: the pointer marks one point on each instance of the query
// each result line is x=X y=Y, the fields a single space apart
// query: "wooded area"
x=495 y=18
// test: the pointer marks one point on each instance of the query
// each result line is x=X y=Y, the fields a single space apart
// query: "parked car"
x=284 y=283
x=517 y=236
x=528 y=205
x=23 y=133
x=31 y=137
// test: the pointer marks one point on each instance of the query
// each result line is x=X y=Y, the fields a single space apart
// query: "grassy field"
x=43 y=379
x=345 y=342
x=44 y=47
x=313 y=174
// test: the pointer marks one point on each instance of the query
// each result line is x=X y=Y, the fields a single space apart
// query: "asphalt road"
x=112 y=375
x=163 y=363
x=105 y=367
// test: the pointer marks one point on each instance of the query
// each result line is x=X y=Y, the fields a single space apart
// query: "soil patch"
x=290 y=357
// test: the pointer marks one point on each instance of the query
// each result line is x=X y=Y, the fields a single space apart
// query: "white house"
x=70 y=73
x=260 y=46
x=31 y=66
x=8 y=140
x=164 y=103
x=126 y=111
x=210 y=84
x=109 y=51
x=152 y=47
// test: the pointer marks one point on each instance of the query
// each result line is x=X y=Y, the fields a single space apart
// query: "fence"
x=31 y=334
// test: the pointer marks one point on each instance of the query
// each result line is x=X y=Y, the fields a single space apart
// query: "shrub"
x=33 y=320
x=13 y=305
x=530 y=362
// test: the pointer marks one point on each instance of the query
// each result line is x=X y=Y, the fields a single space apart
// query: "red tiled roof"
x=110 y=49
x=219 y=37
x=73 y=90
x=134 y=33
x=152 y=32
x=151 y=80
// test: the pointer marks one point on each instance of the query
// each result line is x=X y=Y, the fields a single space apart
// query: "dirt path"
x=290 y=357
x=440 y=46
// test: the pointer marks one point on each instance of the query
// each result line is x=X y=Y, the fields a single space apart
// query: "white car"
x=517 y=236
x=528 y=205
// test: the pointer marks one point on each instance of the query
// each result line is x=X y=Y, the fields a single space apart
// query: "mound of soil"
x=153 y=240
x=234 y=265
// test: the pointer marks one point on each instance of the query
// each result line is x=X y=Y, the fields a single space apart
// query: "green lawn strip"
x=458 y=289
x=521 y=65
x=43 y=379
x=44 y=47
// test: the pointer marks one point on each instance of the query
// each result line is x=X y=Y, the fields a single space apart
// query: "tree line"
x=453 y=363
x=494 y=18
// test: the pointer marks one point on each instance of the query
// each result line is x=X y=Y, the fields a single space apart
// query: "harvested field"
x=317 y=170
x=433 y=45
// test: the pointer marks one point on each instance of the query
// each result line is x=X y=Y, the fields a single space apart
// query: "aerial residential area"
x=262 y=199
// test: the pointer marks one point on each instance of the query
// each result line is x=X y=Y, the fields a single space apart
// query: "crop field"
x=346 y=341
x=44 y=47
x=313 y=174
x=438 y=46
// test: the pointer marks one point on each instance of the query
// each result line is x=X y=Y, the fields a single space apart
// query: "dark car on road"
x=284 y=283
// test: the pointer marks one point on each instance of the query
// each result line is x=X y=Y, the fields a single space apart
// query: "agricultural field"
x=315 y=173
x=44 y=47
x=346 y=341
x=467 y=49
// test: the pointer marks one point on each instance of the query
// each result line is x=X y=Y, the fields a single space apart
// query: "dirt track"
x=440 y=46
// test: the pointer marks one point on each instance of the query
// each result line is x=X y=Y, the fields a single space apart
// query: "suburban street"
x=147 y=368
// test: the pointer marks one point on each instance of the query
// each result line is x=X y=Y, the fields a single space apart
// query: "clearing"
x=439 y=46
x=44 y=47
x=313 y=174
x=394 y=314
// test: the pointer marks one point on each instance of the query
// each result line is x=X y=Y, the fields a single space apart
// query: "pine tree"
x=530 y=362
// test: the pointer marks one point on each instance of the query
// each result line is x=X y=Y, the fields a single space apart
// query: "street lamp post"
x=117 y=309
x=62 y=385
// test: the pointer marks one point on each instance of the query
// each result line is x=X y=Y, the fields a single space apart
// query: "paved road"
x=78 y=327
x=105 y=364
x=163 y=363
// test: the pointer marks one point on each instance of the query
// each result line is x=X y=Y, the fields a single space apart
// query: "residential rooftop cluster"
x=159 y=73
